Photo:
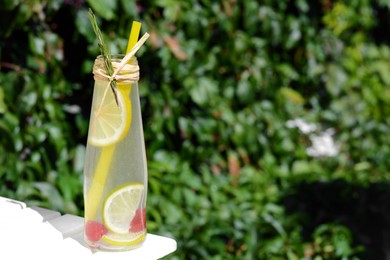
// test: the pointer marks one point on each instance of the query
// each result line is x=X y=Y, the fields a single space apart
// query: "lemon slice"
x=120 y=207
x=109 y=122
x=129 y=239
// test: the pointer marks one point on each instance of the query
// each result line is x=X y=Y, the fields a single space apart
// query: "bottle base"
x=104 y=248
x=114 y=247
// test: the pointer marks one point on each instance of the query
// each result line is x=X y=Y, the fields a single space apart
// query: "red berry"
x=139 y=221
x=95 y=230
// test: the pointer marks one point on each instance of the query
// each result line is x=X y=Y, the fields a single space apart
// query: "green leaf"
x=292 y=96
x=382 y=67
x=129 y=6
x=51 y=194
x=29 y=100
x=244 y=90
x=105 y=9
x=37 y=44
x=204 y=90
x=3 y=106
x=9 y=4
x=83 y=25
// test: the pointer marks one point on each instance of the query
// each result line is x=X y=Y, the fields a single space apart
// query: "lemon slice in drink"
x=109 y=122
x=120 y=207
x=124 y=239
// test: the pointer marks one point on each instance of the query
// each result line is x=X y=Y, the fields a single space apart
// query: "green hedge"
x=220 y=80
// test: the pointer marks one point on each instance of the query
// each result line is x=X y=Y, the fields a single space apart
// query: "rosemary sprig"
x=105 y=52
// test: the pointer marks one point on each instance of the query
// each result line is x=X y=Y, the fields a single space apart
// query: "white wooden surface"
x=38 y=233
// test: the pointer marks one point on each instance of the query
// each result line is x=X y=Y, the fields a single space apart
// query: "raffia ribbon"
x=123 y=71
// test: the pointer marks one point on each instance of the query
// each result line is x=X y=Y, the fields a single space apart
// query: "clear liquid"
x=109 y=167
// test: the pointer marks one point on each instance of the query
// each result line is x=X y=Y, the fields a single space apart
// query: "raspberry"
x=139 y=221
x=95 y=230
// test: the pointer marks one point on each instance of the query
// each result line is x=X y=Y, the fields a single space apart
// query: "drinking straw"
x=98 y=183
x=134 y=34
x=95 y=193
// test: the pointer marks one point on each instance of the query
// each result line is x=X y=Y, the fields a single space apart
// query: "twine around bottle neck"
x=129 y=73
x=124 y=71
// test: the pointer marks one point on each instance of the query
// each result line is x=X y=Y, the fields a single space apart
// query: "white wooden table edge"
x=17 y=220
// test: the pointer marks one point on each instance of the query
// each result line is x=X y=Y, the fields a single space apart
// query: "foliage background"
x=220 y=80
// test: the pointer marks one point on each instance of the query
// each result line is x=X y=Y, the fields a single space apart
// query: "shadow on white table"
x=46 y=234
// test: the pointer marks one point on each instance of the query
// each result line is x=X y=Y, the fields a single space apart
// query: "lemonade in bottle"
x=115 y=170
